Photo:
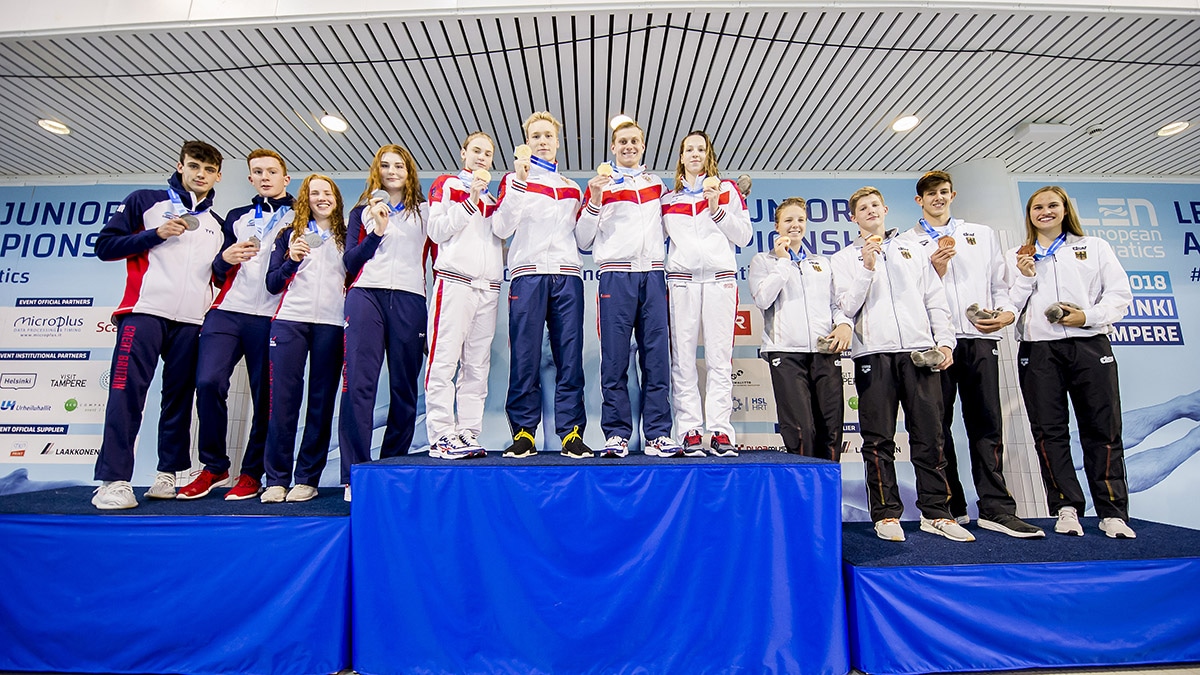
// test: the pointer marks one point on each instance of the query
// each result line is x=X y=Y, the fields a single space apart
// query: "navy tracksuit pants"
x=292 y=344
x=634 y=304
x=141 y=340
x=537 y=302
x=224 y=339
x=378 y=321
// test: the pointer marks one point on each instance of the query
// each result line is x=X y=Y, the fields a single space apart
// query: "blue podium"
x=553 y=565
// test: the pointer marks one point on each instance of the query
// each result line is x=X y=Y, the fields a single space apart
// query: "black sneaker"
x=574 y=447
x=1010 y=525
x=522 y=446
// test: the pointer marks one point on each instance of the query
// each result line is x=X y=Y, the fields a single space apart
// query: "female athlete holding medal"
x=306 y=263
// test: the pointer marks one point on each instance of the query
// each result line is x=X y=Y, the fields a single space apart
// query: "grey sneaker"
x=164 y=486
x=946 y=528
x=301 y=493
x=273 y=495
x=1068 y=522
x=113 y=495
x=1010 y=525
x=963 y=520
x=1116 y=528
x=889 y=529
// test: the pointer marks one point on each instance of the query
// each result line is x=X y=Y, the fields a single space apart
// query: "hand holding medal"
x=1025 y=262
x=380 y=210
x=782 y=242
x=521 y=166
x=940 y=259
x=603 y=177
x=712 y=192
x=479 y=183
x=873 y=246
x=299 y=248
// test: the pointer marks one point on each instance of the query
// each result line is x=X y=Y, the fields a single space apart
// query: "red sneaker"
x=246 y=488
x=202 y=485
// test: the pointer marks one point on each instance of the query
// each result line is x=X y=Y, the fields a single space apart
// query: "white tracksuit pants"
x=462 y=322
x=708 y=309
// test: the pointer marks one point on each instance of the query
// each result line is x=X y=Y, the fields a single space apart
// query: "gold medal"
x=711 y=182
x=482 y=174
x=523 y=152
x=604 y=169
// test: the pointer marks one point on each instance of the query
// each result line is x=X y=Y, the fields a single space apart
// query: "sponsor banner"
x=45 y=449
x=56 y=327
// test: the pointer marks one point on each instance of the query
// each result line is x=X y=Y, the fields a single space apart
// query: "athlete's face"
x=267 y=177
x=869 y=212
x=935 y=202
x=478 y=154
x=392 y=171
x=628 y=146
x=695 y=152
x=321 y=198
x=1046 y=212
x=198 y=177
x=542 y=137
x=792 y=221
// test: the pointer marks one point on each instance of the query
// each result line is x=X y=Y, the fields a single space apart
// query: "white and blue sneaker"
x=471 y=442
x=615 y=448
x=449 y=447
x=664 y=446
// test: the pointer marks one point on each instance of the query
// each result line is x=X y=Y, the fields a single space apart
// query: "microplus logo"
x=41 y=325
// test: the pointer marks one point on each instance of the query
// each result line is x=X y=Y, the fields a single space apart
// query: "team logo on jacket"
x=971 y=239
x=1081 y=253
x=816 y=266
x=904 y=252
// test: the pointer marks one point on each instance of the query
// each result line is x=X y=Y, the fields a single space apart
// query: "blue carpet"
x=1154 y=541
x=495 y=458
x=77 y=501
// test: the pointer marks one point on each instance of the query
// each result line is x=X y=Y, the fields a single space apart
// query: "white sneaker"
x=664 y=446
x=346 y=494
x=947 y=528
x=962 y=520
x=889 y=529
x=471 y=442
x=113 y=495
x=164 y=486
x=301 y=493
x=449 y=447
x=615 y=447
x=273 y=495
x=1068 y=522
x=1116 y=528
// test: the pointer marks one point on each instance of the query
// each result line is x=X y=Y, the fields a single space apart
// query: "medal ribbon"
x=934 y=234
x=259 y=230
x=1054 y=246
x=177 y=205
x=324 y=234
x=543 y=164
x=695 y=189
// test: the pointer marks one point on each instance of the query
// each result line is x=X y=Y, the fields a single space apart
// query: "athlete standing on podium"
x=385 y=307
x=537 y=207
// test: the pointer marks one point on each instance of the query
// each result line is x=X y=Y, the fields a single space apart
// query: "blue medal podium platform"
x=553 y=565
x=204 y=586
x=998 y=603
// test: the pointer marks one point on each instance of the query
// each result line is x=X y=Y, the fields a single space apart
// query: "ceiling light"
x=1173 y=128
x=618 y=121
x=333 y=123
x=62 y=129
x=906 y=123
x=1038 y=132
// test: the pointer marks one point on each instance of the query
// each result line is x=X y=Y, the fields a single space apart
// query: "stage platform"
x=932 y=605
x=552 y=565
x=173 y=587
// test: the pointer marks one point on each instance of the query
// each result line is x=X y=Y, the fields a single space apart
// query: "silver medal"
x=190 y=222
x=380 y=194
x=313 y=239
x=254 y=240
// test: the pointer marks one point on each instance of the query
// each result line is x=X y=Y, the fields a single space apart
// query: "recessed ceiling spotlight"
x=1173 y=128
x=333 y=123
x=618 y=121
x=54 y=127
x=906 y=123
